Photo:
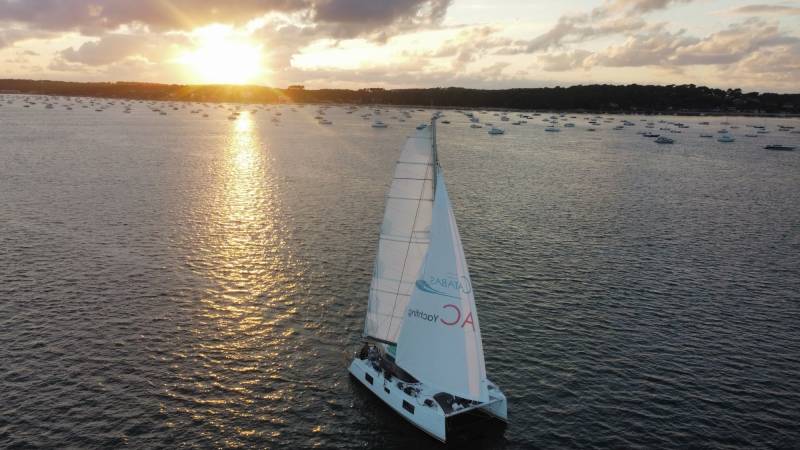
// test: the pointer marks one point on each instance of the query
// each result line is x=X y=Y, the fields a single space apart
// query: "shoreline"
x=591 y=99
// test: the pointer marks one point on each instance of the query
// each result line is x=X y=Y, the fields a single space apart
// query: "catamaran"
x=423 y=354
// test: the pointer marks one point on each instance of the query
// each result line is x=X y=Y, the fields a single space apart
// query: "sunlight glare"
x=222 y=57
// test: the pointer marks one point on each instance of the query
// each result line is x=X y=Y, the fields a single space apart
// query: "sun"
x=222 y=57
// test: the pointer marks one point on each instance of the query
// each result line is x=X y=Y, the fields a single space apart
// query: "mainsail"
x=440 y=340
x=404 y=239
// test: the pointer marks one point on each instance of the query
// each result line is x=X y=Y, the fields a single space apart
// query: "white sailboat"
x=423 y=354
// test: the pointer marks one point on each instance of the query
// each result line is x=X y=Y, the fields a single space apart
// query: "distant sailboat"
x=423 y=354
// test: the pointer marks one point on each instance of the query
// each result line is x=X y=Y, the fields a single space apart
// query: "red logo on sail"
x=457 y=320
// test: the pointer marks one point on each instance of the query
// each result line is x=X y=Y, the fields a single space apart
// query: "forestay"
x=440 y=341
x=404 y=239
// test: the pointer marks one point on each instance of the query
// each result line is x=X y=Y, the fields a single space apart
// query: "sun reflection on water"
x=244 y=319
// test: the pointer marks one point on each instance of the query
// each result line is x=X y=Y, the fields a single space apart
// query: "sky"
x=406 y=43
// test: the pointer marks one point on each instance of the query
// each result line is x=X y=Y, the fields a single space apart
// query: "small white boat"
x=495 y=130
x=725 y=138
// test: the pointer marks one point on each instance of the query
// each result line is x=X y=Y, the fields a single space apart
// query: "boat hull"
x=430 y=417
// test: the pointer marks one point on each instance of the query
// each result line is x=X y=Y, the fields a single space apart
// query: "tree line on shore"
x=596 y=98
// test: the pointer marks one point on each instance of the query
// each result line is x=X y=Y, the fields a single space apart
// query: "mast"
x=435 y=151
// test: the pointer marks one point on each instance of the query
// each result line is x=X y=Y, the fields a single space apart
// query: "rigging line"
x=405 y=260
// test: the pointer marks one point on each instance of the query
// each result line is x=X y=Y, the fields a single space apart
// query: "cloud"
x=611 y=18
x=559 y=62
x=469 y=45
x=765 y=9
x=656 y=47
x=732 y=44
x=777 y=67
x=58 y=64
x=116 y=47
x=11 y=36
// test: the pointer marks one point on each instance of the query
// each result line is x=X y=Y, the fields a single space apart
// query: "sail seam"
x=411 y=198
x=392 y=292
x=412 y=241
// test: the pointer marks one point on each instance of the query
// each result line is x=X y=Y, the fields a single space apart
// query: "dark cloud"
x=644 y=6
x=95 y=17
x=9 y=37
x=377 y=20
x=379 y=11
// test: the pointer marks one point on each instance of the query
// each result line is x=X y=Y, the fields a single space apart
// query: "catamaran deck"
x=424 y=406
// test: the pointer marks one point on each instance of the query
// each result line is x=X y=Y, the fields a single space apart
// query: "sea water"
x=179 y=281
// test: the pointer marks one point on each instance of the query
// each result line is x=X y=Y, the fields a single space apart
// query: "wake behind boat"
x=423 y=354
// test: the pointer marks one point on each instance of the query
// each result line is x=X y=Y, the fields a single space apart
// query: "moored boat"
x=725 y=138
x=784 y=148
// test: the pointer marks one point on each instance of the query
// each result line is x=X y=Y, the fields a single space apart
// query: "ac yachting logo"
x=451 y=316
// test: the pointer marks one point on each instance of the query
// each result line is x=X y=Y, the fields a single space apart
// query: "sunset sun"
x=221 y=57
